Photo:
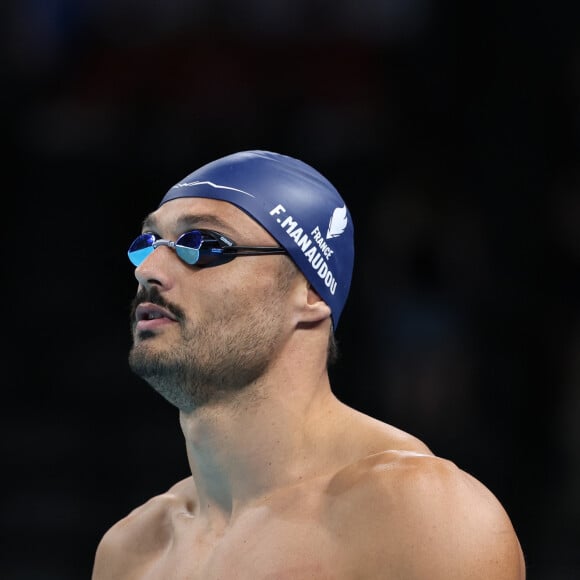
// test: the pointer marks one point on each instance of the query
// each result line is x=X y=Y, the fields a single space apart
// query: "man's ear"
x=315 y=308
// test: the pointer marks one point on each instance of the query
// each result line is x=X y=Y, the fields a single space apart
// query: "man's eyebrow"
x=207 y=220
x=190 y=221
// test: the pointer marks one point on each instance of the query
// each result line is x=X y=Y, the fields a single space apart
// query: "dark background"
x=451 y=128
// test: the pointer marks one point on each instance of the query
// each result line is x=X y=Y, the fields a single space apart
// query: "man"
x=243 y=272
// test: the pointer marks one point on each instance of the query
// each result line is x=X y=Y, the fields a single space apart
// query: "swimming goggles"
x=197 y=247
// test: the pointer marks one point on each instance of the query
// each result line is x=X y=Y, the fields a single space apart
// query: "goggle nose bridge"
x=162 y=242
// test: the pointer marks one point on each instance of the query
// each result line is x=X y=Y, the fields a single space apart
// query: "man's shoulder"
x=396 y=474
x=161 y=506
x=412 y=485
x=402 y=473
x=144 y=530
x=446 y=522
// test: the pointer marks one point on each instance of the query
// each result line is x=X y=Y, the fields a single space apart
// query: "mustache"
x=153 y=296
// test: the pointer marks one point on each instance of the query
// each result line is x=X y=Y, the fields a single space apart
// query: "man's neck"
x=242 y=451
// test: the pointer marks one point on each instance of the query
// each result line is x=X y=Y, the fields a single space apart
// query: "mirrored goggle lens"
x=141 y=247
x=187 y=246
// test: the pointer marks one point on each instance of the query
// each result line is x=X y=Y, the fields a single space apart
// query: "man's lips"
x=149 y=316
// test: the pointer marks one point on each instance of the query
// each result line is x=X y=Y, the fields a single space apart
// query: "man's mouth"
x=149 y=316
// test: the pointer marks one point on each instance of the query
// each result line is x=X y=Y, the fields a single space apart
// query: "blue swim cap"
x=297 y=205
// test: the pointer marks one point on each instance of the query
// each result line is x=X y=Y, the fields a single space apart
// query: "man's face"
x=201 y=335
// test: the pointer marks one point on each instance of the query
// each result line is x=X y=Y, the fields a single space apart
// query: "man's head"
x=208 y=322
x=297 y=205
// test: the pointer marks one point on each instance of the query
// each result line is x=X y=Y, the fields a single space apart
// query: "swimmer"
x=243 y=271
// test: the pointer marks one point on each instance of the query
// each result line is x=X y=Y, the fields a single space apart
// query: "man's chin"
x=143 y=356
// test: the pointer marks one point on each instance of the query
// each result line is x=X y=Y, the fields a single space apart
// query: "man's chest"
x=293 y=549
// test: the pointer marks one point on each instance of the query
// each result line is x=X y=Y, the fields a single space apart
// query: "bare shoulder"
x=129 y=543
x=420 y=516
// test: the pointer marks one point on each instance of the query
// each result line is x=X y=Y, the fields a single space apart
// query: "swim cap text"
x=314 y=248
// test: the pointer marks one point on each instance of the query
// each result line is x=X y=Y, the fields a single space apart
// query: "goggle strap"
x=254 y=250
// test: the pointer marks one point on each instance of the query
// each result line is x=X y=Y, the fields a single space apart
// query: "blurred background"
x=451 y=128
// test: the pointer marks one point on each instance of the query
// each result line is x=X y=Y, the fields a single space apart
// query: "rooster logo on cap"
x=337 y=223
